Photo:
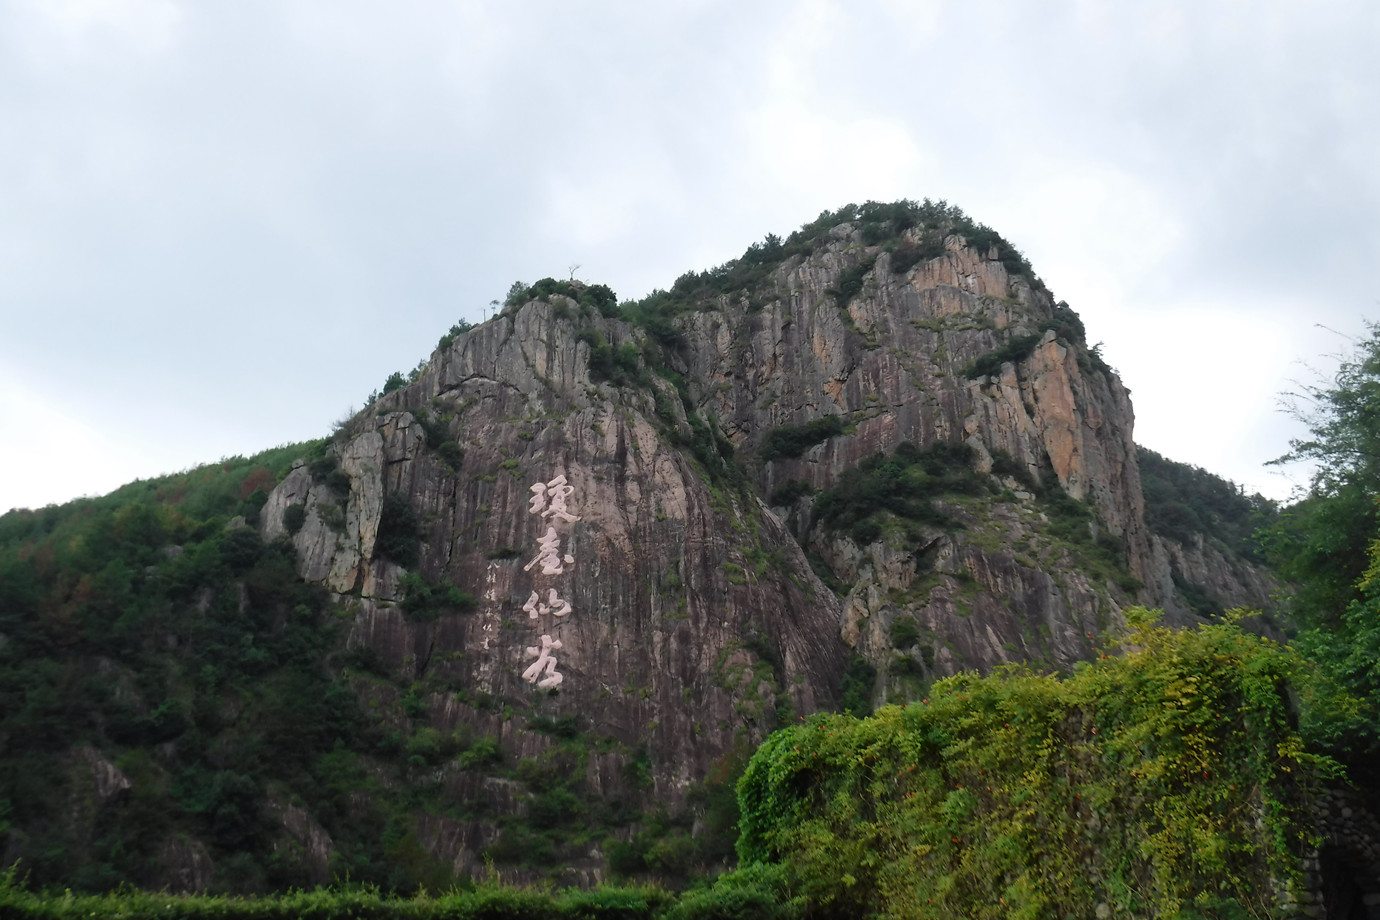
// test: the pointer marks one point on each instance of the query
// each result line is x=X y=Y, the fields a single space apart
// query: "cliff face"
x=694 y=624
x=618 y=524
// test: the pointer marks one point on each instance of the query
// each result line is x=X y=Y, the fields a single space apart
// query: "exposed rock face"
x=186 y=866
x=308 y=838
x=679 y=588
x=696 y=622
x=1213 y=571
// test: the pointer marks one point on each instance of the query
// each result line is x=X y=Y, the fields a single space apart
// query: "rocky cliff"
x=852 y=461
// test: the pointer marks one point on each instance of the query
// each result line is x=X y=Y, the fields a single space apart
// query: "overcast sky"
x=224 y=224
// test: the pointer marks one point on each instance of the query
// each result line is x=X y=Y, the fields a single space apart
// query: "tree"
x=1326 y=544
x=1320 y=543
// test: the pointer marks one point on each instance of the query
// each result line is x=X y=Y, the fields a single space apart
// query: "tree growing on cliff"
x=1321 y=541
x=1326 y=545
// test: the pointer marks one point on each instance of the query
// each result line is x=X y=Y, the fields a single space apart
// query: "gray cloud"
x=220 y=225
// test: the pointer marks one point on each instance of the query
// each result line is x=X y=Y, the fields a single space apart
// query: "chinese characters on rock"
x=551 y=501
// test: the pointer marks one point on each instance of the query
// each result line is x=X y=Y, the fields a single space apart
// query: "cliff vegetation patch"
x=793 y=440
x=902 y=484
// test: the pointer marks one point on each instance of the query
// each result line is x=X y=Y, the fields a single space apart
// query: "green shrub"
x=451 y=454
x=1005 y=466
x=455 y=332
x=786 y=494
x=483 y=753
x=565 y=726
x=399 y=534
x=338 y=481
x=294 y=516
x=910 y=253
x=902 y=484
x=427 y=600
x=859 y=679
x=240 y=549
x=793 y=440
x=1014 y=350
x=851 y=281
x=904 y=632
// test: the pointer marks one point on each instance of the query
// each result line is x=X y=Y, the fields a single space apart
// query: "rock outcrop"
x=697 y=616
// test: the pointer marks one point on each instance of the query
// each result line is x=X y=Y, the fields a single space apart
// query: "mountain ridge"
x=957 y=483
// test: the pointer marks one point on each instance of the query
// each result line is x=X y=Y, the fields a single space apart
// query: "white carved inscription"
x=551 y=500
x=549 y=555
x=554 y=605
x=545 y=663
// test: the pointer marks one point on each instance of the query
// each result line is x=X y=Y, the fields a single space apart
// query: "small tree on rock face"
x=399 y=531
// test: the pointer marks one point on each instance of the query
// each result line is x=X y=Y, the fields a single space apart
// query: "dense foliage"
x=153 y=633
x=1136 y=782
x=902 y=484
x=1183 y=501
x=1326 y=545
x=152 y=630
x=141 y=622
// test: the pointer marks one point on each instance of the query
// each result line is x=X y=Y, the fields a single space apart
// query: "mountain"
x=535 y=605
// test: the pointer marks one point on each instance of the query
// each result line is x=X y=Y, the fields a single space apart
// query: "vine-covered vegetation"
x=1162 y=779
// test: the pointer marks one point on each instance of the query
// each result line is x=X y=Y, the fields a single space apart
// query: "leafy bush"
x=597 y=296
x=294 y=516
x=851 y=281
x=902 y=484
x=1015 y=349
x=859 y=679
x=395 y=381
x=451 y=454
x=787 y=493
x=793 y=440
x=455 y=332
x=484 y=752
x=338 y=481
x=1006 y=466
x=904 y=632
x=910 y=253
x=566 y=726
x=399 y=534
x=1064 y=323
x=426 y=600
